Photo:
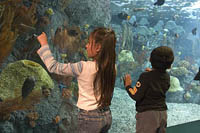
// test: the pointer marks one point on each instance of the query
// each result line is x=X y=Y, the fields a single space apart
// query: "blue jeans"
x=94 y=121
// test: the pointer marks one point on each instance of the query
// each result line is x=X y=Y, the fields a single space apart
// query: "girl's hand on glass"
x=42 y=39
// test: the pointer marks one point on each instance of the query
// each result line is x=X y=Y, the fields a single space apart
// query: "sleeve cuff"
x=129 y=86
x=39 y=51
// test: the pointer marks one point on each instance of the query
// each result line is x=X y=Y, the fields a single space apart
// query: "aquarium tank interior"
x=49 y=103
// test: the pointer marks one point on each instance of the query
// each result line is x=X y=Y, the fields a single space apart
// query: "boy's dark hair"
x=162 y=57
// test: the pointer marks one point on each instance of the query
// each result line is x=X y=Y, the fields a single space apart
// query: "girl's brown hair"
x=104 y=80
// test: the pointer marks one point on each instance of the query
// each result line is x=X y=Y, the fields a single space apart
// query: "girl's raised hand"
x=42 y=39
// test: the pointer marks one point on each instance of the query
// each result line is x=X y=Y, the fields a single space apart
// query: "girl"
x=96 y=79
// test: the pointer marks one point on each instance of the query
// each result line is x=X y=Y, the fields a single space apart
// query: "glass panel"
x=33 y=98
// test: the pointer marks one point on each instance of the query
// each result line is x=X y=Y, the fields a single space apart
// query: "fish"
x=27 y=26
x=179 y=53
x=61 y=86
x=28 y=86
x=197 y=77
x=176 y=35
x=123 y=16
x=166 y=30
x=194 y=31
x=138 y=9
x=46 y=91
x=86 y=26
x=175 y=17
x=63 y=56
x=72 y=32
x=49 y=11
x=159 y=2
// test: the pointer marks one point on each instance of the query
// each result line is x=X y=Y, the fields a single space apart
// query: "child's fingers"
x=148 y=69
x=127 y=79
x=127 y=76
x=42 y=38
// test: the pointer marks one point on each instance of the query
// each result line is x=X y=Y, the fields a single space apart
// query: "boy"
x=149 y=92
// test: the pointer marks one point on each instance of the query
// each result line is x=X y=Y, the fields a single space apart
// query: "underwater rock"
x=174 y=85
x=142 y=30
x=126 y=62
x=46 y=92
x=179 y=71
x=170 y=25
x=13 y=76
x=125 y=56
x=152 y=31
x=187 y=96
x=195 y=87
x=6 y=127
x=28 y=86
x=179 y=30
x=132 y=20
x=143 y=22
x=98 y=10
x=184 y=63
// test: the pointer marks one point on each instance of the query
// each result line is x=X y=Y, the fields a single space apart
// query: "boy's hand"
x=127 y=80
x=42 y=39
x=148 y=69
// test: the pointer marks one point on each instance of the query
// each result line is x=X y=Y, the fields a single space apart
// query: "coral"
x=125 y=56
x=32 y=116
x=127 y=67
x=187 y=96
x=49 y=12
x=14 y=104
x=63 y=4
x=195 y=87
x=2 y=8
x=32 y=124
x=127 y=37
x=25 y=16
x=190 y=59
x=14 y=16
x=43 y=21
x=68 y=39
x=14 y=75
x=57 y=119
x=126 y=62
x=184 y=63
x=46 y=92
x=140 y=56
x=66 y=93
x=179 y=71
x=174 y=85
x=7 y=35
x=74 y=89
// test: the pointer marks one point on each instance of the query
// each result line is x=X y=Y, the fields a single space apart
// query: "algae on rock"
x=14 y=75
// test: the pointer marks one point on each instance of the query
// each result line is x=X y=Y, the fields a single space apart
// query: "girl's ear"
x=98 y=47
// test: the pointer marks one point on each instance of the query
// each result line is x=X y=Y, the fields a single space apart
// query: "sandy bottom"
x=123 y=113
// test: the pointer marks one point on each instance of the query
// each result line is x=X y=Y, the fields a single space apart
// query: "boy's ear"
x=150 y=60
